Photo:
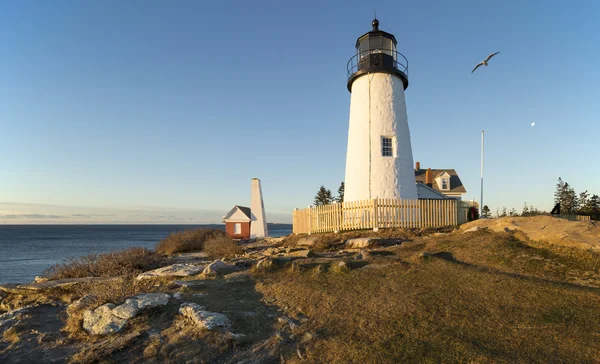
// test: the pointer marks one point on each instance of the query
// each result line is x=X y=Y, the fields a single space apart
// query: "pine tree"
x=503 y=212
x=485 y=212
x=533 y=211
x=323 y=197
x=513 y=212
x=340 y=197
x=593 y=207
x=525 y=210
x=566 y=196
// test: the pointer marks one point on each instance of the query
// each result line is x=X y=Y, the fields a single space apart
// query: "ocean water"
x=27 y=250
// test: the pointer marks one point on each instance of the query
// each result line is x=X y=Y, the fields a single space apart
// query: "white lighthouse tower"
x=379 y=161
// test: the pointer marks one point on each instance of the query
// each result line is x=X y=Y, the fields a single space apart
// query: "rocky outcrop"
x=279 y=252
x=175 y=270
x=264 y=264
x=12 y=316
x=81 y=303
x=108 y=319
x=359 y=243
x=218 y=267
x=101 y=321
x=473 y=229
x=310 y=240
x=202 y=318
x=133 y=305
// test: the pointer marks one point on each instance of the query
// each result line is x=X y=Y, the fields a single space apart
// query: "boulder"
x=264 y=264
x=101 y=321
x=218 y=267
x=175 y=270
x=303 y=253
x=81 y=303
x=270 y=252
x=359 y=243
x=310 y=240
x=133 y=305
x=474 y=228
x=202 y=318
x=39 y=279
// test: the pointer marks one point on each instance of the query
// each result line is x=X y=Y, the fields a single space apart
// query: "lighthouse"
x=379 y=160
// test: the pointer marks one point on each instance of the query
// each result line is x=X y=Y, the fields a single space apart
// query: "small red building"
x=237 y=222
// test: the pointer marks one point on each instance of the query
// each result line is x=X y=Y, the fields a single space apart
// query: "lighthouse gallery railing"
x=354 y=64
x=379 y=213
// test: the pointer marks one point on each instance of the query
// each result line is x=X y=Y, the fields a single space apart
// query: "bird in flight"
x=484 y=62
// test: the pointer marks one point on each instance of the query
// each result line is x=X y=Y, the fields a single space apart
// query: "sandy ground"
x=580 y=234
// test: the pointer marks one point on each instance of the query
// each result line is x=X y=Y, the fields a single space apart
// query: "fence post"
x=375 y=215
x=309 y=220
x=336 y=217
x=294 y=221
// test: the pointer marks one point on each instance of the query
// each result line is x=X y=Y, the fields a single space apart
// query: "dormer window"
x=445 y=183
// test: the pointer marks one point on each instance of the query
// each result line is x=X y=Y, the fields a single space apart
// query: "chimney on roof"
x=428 y=178
x=418 y=166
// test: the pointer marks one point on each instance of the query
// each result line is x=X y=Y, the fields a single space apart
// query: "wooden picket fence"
x=379 y=213
x=574 y=217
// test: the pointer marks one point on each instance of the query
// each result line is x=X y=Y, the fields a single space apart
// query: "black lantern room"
x=376 y=52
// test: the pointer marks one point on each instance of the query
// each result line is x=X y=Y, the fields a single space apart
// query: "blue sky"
x=176 y=106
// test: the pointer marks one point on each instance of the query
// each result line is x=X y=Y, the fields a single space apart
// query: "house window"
x=387 y=147
x=237 y=228
x=445 y=184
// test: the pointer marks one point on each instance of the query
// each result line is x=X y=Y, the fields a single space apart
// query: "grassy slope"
x=487 y=297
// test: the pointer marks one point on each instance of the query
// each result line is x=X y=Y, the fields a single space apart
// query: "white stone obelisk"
x=258 y=224
x=379 y=160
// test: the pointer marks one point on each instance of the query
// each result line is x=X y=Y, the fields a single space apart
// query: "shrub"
x=123 y=262
x=221 y=247
x=187 y=241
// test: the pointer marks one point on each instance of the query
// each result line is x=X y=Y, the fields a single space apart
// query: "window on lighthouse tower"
x=387 y=147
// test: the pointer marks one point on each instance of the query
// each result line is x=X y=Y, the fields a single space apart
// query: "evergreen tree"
x=525 y=210
x=513 y=212
x=583 y=203
x=485 y=212
x=593 y=207
x=323 y=197
x=566 y=196
x=503 y=212
x=533 y=211
x=340 y=197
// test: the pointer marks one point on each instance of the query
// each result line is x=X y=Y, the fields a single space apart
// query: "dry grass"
x=221 y=247
x=482 y=297
x=11 y=335
x=187 y=241
x=123 y=262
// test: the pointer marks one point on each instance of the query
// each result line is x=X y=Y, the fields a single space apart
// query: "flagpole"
x=481 y=200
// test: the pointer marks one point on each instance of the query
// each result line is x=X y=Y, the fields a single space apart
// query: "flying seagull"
x=484 y=62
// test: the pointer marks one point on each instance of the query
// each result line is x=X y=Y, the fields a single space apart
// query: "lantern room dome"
x=376 y=52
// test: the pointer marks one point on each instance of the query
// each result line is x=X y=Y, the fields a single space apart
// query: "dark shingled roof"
x=456 y=185
x=245 y=210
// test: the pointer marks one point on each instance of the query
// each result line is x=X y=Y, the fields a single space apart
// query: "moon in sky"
x=533 y=123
